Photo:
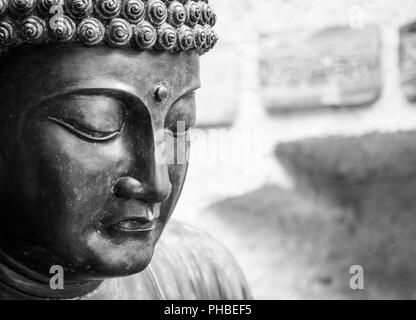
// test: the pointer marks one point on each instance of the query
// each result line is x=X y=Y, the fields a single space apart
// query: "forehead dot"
x=161 y=93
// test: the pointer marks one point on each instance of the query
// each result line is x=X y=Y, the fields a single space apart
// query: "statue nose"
x=156 y=190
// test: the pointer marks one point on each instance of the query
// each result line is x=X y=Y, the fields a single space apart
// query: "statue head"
x=95 y=94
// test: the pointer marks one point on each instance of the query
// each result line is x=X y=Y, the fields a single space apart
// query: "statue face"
x=80 y=173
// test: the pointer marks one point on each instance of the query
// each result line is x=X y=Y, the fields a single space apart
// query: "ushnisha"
x=136 y=24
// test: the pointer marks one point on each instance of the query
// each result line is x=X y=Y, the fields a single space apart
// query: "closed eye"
x=85 y=132
x=95 y=118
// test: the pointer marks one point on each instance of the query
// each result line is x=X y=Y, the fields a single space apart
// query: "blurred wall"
x=281 y=238
x=239 y=156
x=240 y=25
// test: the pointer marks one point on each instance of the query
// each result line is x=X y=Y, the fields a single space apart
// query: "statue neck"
x=19 y=282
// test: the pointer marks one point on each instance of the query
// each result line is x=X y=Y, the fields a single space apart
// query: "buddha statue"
x=94 y=94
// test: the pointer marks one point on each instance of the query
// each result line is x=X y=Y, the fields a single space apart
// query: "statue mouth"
x=135 y=218
x=136 y=225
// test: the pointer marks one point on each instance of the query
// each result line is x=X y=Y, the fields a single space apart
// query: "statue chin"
x=115 y=255
x=116 y=262
x=108 y=256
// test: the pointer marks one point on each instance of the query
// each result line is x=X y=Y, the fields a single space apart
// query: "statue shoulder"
x=190 y=264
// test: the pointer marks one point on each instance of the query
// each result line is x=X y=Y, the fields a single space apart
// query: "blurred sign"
x=334 y=67
x=408 y=60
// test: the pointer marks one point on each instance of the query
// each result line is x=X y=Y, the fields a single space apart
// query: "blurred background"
x=303 y=160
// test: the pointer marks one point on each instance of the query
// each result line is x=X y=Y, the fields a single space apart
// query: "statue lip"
x=137 y=220
x=137 y=224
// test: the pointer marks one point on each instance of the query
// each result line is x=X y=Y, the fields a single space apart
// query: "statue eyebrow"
x=106 y=86
x=113 y=89
x=118 y=90
x=119 y=94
